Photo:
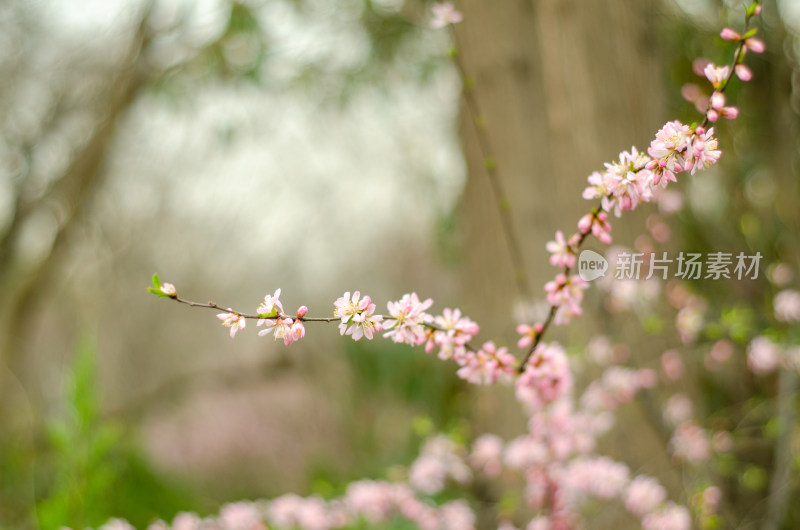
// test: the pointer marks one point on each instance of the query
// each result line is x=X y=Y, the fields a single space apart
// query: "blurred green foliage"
x=88 y=470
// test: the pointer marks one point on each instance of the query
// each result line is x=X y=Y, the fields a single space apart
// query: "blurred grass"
x=87 y=470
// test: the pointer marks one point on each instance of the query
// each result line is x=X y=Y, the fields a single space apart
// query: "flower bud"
x=730 y=113
x=301 y=311
x=743 y=72
x=755 y=45
x=585 y=223
x=717 y=100
x=730 y=35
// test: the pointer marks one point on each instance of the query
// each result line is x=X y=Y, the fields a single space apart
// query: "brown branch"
x=490 y=165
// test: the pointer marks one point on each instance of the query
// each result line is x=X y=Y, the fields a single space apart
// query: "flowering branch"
x=557 y=453
x=638 y=177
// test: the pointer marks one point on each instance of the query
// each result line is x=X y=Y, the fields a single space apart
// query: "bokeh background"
x=321 y=146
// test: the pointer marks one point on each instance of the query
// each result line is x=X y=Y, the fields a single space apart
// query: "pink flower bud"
x=700 y=130
x=712 y=115
x=743 y=72
x=758 y=10
x=538 y=328
x=699 y=65
x=169 y=289
x=730 y=35
x=755 y=45
x=730 y=113
x=301 y=311
x=691 y=92
x=717 y=100
x=585 y=223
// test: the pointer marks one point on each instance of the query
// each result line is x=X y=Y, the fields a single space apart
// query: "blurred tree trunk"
x=563 y=85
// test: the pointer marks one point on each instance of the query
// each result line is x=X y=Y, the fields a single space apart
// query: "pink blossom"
x=292 y=511
x=670 y=517
x=672 y=365
x=720 y=352
x=643 y=495
x=427 y=475
x=407 y=319
x=692 y=93
x=711 y=497
x=716 y=74
x=598 y=188
x=689 y=322
x=599 y=350
x=601 y=228
x=453 y=334
x=678 y=409
x=566 y=291
x=546 y=376
x=763 y=356
x=346 y=307
x=669 y=201
x=296 y=332
x=281 y=327
x=445 y=14
x=599 y=477
x=525 y=452
x=456 y=515
x=186 y=521
x=562 y=253
x=357 y=316
x=621 y=383
x=169 y=290
x=487 y=453
x=528 y=333
x=241 y=516
x=439 y=460
x=743 y=72
x=487 y=366
x=787 y=306
x=539 y=523
x=271 y=306
x=780 y=274
x=625 y=179
x=690 y=442
x=232 y=320
x=730 y=35
x=369 y=499
x=755 y=45
x=704 y=151
x=671 y=141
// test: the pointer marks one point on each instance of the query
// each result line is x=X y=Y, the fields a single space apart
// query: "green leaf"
x=156 y=281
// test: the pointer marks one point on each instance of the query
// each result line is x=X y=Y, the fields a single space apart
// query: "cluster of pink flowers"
x=546 y=376
x=374 y=502
x=451 y=335
x=282 y=326
x=439 y=460
x=357 y=316
x=407 y=319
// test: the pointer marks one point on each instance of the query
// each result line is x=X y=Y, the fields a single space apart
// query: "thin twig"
x=490 y=165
